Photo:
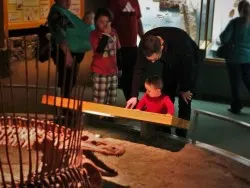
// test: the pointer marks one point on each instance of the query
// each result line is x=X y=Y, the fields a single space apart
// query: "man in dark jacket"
x=180 y=57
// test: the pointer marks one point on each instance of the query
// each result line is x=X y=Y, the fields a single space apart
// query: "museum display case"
x=203 y=20
x=26 y=14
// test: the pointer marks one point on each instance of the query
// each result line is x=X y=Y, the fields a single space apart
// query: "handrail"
x=29 y=86
x=225 y=118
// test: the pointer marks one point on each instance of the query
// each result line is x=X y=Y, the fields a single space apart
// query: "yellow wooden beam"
x=94 y=108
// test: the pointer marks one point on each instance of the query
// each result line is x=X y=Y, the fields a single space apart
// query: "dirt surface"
x=149 y=167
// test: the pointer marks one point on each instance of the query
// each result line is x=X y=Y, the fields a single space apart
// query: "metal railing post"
x=193 y=126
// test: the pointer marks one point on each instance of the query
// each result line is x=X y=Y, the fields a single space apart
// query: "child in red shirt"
x=153 y=100
x=105 y=43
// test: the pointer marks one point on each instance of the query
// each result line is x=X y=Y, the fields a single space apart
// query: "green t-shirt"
x=65 y=26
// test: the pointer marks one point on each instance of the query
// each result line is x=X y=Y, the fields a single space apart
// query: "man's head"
x=153 y=86
x=151 y=47
x=64 y=3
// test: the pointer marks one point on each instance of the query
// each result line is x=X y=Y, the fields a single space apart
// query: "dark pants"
x=66 y=81
x=172 y=72
x=184 y=109
x=128 y=59
x=67 y=76
x=238 y=72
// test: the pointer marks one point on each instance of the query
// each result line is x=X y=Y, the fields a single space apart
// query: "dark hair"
x=103 y=12
x=149 y=45
x=244 y=10
x=155 y=81
x=88 y=13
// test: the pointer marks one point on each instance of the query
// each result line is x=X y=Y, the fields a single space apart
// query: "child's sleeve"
x=169 y=105
x=141 y=104
x=98 y=43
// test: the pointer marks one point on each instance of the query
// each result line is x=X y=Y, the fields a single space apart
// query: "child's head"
x=153 y=86
x=88 y=18
x=103 y=18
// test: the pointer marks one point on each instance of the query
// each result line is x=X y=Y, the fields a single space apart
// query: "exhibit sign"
x=24 y=14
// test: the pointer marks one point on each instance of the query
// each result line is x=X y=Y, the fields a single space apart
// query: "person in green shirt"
x=70 y=39
x=238 y=62
x=71 y=35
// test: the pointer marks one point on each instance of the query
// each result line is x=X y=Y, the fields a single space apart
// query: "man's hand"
x=131 y=103
x=187 y=96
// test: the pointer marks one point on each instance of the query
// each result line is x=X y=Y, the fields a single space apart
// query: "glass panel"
x=183 y=14
x=201 y=17
x=219 y=17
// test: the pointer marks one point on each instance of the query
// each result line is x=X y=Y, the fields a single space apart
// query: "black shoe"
x=110 y=119
x=163 y=129
x=234 y=111
x=181 y=132
x=107 y=119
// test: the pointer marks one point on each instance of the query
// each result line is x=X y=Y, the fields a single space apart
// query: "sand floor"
x=149 y=167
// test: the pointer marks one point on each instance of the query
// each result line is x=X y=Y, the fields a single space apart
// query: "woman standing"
x=238 y=62
x=69 y=40
x=71 y=35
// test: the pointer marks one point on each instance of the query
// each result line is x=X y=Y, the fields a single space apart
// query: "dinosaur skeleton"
x=37 y=153
x=67 y=159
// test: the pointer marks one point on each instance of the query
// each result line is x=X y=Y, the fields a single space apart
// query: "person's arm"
x=189 y=61
x=140 y=28
x=139 y=69
x=186 y=77
x=118 y=52
x=98 y=44
x=139 y=22
x=169 y=105
x=141 y=104
x=113 y=6
x=119 y=59
x=226 y=35
x=57 y=25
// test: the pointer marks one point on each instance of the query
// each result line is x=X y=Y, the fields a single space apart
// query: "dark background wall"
x=92 y=5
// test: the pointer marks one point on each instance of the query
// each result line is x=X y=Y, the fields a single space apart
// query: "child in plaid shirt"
x=105 y=44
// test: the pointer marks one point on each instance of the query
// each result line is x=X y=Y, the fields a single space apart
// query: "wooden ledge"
x=107 y=110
